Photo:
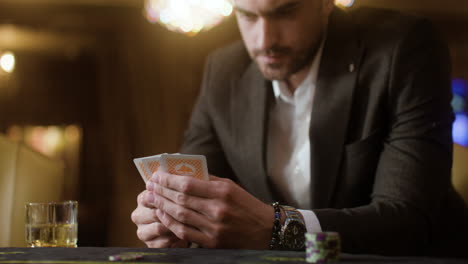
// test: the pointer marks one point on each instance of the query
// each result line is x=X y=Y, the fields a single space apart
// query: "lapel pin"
x=351 y=67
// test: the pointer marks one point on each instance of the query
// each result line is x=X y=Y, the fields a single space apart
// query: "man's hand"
x=214 y=214
x=150 y=230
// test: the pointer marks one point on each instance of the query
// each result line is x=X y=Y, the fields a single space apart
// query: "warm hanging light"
x=345 y=3
x=7 y=62
x=188 y=16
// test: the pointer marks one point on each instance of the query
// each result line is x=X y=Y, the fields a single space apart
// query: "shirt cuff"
x=311 y=221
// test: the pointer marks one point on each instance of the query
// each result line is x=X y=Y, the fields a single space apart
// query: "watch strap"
x=276 y=231
x=293 y=217
x=292 y=214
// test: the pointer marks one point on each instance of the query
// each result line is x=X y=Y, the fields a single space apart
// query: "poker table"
x=85 y=255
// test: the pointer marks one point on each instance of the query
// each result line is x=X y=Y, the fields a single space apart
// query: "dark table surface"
x=206 y=256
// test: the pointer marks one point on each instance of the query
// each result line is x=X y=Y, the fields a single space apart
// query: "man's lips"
x=272 y=59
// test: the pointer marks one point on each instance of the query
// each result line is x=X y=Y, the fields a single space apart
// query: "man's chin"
x=272 y=72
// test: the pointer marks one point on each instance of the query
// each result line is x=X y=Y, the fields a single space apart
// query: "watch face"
x=293 y=235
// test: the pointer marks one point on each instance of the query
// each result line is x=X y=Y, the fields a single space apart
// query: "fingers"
x=144 y=215
x=152 y=231
x=189 y=185
x=195 y=203
x=183 y=232
x=221 y=190
x=146 y=199
x=181 y=213
x=167 y=242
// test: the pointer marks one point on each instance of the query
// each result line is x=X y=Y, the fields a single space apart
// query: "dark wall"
x=131 y=90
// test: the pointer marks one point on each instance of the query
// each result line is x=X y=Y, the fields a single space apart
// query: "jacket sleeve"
x=414 y=169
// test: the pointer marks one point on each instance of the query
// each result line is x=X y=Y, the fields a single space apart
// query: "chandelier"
x=188 y=16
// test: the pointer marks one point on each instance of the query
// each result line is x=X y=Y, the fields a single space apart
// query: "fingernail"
x=149 y=186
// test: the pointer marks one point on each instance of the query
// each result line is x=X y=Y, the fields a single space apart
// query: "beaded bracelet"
x=275 y=237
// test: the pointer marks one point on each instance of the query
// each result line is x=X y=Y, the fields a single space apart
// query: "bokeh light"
x=459 y=102
x=188 y=16
x=460 y=130
x=7 y=62
x=459 y=87
x=48 y=140
x=72 y=133
x=15 y=133
x=345 y=3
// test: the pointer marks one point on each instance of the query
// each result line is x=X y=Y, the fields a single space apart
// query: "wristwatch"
x=293 y=231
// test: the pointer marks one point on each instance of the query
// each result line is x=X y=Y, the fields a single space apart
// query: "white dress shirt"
x=289 y=143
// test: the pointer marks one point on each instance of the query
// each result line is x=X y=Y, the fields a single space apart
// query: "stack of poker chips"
x=323 y=247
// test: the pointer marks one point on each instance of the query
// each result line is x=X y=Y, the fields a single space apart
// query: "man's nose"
x=268 y=35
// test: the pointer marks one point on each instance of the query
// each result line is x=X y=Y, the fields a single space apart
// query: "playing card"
x=185 y=165
x=152 y=163
x=142 y=169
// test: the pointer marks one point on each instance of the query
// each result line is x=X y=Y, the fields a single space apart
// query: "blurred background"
x=93 y=84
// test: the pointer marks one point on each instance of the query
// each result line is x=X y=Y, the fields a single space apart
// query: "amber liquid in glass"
x=52 y=235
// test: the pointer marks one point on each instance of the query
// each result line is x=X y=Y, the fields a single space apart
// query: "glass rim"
x=53 y=203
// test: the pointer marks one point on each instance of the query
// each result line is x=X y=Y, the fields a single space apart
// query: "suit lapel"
x=332 y=106
x=252 y=94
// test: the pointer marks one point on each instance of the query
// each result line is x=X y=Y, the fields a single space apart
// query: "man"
x=346 y=116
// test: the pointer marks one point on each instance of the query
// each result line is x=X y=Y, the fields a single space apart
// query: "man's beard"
x=295 y=61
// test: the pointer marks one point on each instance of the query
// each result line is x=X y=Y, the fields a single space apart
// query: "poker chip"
x=323 y=247
x=124 y=257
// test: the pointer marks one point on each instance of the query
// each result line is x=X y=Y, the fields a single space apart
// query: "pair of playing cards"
x=178 y=164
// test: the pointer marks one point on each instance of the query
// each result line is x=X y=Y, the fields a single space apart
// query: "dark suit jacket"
x=380 y=135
